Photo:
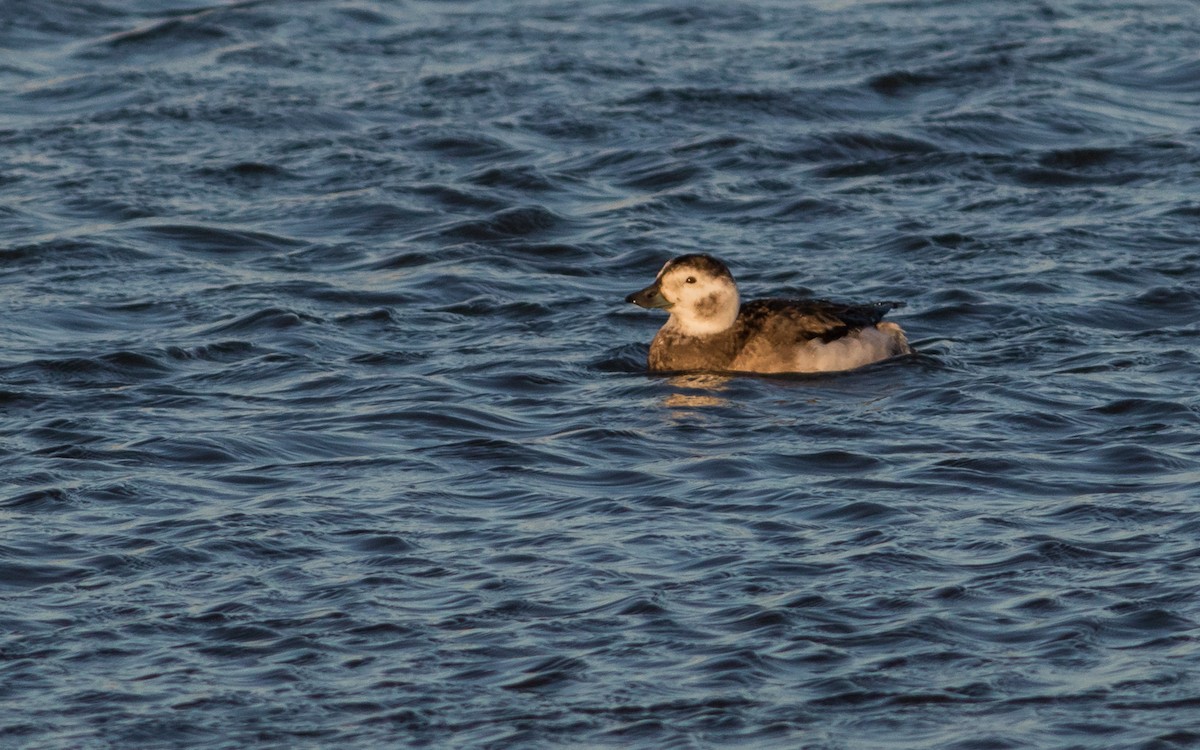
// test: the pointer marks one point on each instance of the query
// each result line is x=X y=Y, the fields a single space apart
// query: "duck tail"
x=899 y=340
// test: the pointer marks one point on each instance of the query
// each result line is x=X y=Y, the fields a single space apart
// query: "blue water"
x=325 y=423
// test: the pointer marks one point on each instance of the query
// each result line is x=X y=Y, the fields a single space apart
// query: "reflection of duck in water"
x=709 y=330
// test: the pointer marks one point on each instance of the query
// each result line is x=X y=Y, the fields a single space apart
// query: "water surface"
x=324 y=422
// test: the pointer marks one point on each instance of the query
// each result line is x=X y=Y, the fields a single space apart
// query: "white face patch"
x=706 y=305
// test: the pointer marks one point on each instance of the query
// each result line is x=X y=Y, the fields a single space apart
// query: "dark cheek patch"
x=707 y=307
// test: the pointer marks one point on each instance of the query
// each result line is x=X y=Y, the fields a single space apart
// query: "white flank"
x=856 y=350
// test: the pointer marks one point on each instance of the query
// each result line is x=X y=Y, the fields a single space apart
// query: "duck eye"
x=690 y=279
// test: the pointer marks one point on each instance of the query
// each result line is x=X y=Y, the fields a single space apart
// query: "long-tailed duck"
x=710 y=331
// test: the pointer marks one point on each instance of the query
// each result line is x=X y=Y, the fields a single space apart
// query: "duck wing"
x=805 y=320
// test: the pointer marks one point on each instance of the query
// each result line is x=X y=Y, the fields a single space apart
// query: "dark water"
x=325 y=425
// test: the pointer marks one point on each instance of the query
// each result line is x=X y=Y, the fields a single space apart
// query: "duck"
x=711 y=330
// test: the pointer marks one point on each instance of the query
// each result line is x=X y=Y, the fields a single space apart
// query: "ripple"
x=508 y=223
x=219 y=241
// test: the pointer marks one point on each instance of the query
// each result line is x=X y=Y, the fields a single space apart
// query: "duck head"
x=697 y=290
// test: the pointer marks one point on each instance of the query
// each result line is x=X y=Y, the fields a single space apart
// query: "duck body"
x=711 y=330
